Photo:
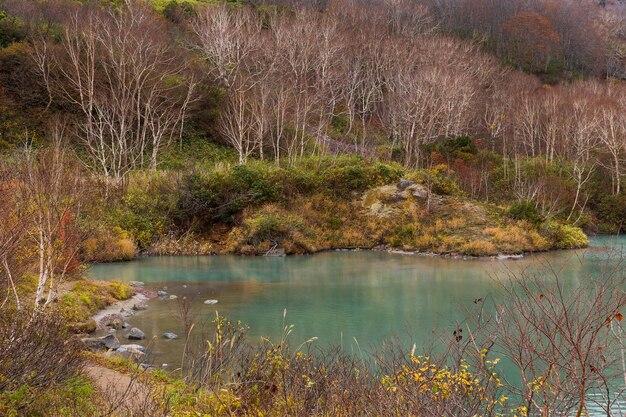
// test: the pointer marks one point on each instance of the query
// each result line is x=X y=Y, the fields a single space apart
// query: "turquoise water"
x=338 y=297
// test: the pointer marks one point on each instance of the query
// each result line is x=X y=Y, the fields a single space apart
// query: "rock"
x=111 y=331
x=136 y=284
x=132 y=352
x=135 y=334
x=94 y=343
x=418 y=191
x=139 y=307
x=125 y=325
x=162 y=293
x=184 y=286
x=170 y=335
x=88 y=326
x=126 y=313
x=210 y=302
x=404 y=184
x=173 y=297
x=116 y=323
x=131 y=347
x=110 y=342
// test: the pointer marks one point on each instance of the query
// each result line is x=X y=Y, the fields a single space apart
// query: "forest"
x=462 y=128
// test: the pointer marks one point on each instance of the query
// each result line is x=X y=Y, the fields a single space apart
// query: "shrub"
x=218 y=195
x=516 y=239
x=565 y=236
x=479 y=248
x=43 y=358
x=612 y=212
x=108 y=245
x=147 y=208
x=272 y=227
x=525 y=210
x=437 y=178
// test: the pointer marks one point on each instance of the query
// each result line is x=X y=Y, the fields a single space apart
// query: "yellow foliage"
x=479 y=248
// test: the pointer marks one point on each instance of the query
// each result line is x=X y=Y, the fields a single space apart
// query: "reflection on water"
x=339 y=297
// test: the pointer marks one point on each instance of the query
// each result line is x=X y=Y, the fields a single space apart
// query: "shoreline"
x=395 y=251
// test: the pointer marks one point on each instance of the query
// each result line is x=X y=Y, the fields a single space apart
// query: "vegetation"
x=456 y=127
x=85 y=298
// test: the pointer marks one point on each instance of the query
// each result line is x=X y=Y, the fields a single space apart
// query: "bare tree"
x=122 y=74
x=558 y=336
x=50 y=195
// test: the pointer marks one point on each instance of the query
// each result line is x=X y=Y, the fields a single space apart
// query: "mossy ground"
x=84 y=298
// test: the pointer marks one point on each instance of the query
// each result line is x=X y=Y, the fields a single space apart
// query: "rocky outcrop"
x=392 y=200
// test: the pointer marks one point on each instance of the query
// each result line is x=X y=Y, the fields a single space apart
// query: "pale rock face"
x=391 y=200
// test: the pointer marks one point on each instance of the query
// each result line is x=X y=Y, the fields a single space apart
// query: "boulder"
x=135 y=334
x=116 y=324
x=418 y=191
x=173 y=297
x=170 y=335
x=125 y=325
x=94 y=343
x=210 y=302
x=162 y=293
x=131 y=347
x=139 y=307
x=132 y=352
x=136 y=284
x=110 y=342
x=404 y=184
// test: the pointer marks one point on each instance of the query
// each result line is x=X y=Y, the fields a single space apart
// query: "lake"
x=354 y=299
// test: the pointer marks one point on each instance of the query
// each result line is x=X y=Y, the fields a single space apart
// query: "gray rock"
x=110 y=342
x=125 y=325
x=173 y=297
x=162 y=293
x=132 y=352
x=94 y=343
x=139 y=307
x=210 y=302
x=170 y=335
x=111 y=331
x=136 y=284
x=418 y=191
x=135 y=334
x=404 y=184
x=131 y=347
